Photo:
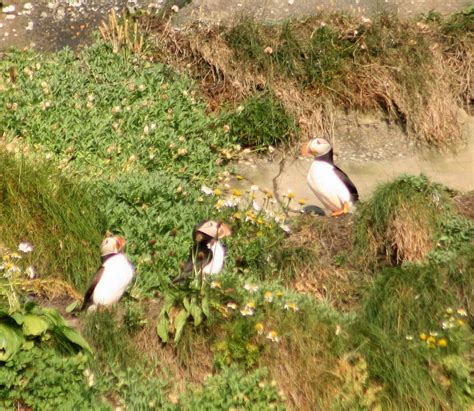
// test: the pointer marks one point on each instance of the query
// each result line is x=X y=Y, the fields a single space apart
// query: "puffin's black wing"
x=90 y=290
x=202 y=255
x=348 y=183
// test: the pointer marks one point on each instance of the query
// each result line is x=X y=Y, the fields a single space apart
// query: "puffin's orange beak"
x=223 y=231
x=305 y=149
x=120 y=243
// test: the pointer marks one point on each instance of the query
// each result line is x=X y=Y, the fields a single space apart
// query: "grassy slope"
x=327 y=62
x=146 y=179
x=133 y=130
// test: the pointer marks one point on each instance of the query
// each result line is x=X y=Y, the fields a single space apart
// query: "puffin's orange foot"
x=344 y=210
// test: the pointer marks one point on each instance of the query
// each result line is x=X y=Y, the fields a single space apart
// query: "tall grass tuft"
x=407 y=219
x=55 y=214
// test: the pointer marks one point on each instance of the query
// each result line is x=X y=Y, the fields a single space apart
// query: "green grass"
x=58 y=216
x=401 y=306
x=260 y=121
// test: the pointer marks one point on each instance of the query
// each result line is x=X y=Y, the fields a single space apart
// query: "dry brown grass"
x=304 y=370
x=426 y=110
x=317 y=261
x=122 y=33
x=465 y=204
x=410 y=235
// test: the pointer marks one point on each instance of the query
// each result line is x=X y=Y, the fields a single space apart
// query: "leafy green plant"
x=232 y=388
x=260 y=121
x=24 y=327
x=134 y=318
x=460 y=24
x=178 y=308
x=43 y=360
x=43 y=379
x=137 y=388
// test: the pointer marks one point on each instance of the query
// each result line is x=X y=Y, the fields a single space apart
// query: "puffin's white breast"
x=218 y=256
x=328 y=187
x=117 y=275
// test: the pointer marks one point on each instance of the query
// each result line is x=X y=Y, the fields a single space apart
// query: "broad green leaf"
x=51 y=315
x=180 y=322
x=168 y=304
x=34 y=325
x=70 y=308
x=186 y=303
x=27 y=345
x=205 y=306
x=196 y=312
x=18 y=317
x=162 y=328
x=76 y=338
x=11 y=340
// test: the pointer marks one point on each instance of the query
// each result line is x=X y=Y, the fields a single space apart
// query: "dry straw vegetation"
x=419 y=72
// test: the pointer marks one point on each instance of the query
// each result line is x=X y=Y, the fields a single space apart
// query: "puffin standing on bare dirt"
x=207 y=253
x=112 y=278
x=329 y=183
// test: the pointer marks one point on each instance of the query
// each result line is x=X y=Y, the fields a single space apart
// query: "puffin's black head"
x=209 y=230
x=318 y=148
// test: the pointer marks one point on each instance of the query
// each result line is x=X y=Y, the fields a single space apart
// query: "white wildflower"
x=257 y=207
x=8 y=9
x=462 y=312
x=207 y=190
x=30 y=272
x=273 y=336
x=25 y=247
x=286 y=228
x=291 y=306
x=251 y=288
x=232 y=306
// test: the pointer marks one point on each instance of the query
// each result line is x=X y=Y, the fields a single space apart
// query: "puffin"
x=207 y=253
x=329 y=183
x=112 y=278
